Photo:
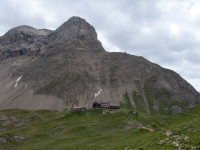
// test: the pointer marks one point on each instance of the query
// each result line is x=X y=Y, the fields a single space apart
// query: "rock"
x=2 y=140
x=18 y=137
x=176 y=144
x=167 y=139
x=181 y=148
x=168 y=133
x=162 y=142
x=3 y=117
x=193 y=147
x=18 y=122
x=73 y=29
x=5 y=123
x=179 y=138
x=186 y=138
x=154 y=144
x=175 y=136
x=15 y=119
x=22 y=123
x=133 y=112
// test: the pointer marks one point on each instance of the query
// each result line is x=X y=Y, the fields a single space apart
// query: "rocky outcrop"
x=22 y=40
x=66 y=67
x=75 y=29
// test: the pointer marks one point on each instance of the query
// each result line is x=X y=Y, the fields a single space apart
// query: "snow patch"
x=96 y=94
x=16 y=83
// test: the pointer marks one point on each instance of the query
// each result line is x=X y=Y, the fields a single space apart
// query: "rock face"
x=75 y=29
x=22 y=40
x=43 y=69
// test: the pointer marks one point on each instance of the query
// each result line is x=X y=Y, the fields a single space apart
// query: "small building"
x=79 y=108
x=96 y=105
x=114 y=105
x=106 y=105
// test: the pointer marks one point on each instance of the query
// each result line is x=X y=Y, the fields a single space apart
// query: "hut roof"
x=114 y=104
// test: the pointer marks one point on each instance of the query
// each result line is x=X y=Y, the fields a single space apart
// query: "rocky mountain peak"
x=75 y=19
x=26 y=40
x=75 y=29
x=22 y=35
x=24 y=29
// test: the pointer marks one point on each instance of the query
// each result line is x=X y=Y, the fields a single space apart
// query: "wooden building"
x=114 y=105
x=96 y=105
x=106 y=105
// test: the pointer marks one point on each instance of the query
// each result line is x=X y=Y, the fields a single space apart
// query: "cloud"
x=165 y=32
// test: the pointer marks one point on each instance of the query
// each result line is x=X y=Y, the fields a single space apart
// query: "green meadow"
x=98 y=129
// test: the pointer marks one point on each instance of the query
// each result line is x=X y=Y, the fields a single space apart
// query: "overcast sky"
x=166 y=32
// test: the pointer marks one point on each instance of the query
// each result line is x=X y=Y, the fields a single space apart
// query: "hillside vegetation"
x=98 y=129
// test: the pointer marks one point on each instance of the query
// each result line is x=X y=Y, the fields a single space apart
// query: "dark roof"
x=103 y=102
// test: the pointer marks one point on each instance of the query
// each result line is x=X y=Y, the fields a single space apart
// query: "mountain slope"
x=66 y=67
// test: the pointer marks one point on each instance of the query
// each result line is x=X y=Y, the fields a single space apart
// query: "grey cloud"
x=15 y=13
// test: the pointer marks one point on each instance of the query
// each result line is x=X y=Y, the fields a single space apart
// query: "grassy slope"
x=94 y=129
